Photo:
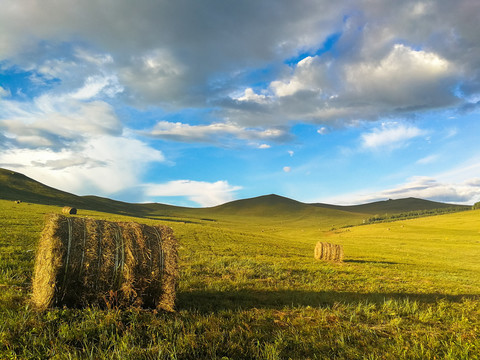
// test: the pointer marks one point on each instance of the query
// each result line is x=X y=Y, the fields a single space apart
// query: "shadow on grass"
x=371 y=262
x=207 y=301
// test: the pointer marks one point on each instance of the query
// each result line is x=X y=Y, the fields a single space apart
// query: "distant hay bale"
x=327 y=251
x=69 y=210
x=82 y=262
x=18 y=201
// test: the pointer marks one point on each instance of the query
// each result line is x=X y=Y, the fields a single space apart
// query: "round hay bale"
x=82 y=262
x=69 y=210
x=327 y=251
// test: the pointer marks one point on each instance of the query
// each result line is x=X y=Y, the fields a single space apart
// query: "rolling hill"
x=392 y=206
x=16 y=186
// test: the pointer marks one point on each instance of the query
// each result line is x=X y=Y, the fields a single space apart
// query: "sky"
x=197 y=103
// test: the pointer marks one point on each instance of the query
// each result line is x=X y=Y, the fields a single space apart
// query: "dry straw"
x=327 y=251
x=69 y=210
x=82 y=262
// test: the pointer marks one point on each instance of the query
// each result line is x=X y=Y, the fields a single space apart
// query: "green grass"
x=250 y=289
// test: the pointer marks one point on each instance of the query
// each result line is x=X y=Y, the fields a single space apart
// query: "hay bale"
x=69 y=210
x=329 y=252
x=82 y=262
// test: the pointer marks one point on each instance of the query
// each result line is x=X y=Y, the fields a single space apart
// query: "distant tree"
x=476 y=206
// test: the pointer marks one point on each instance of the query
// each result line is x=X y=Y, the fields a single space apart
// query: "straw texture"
x=83 y=261
x=327 y=251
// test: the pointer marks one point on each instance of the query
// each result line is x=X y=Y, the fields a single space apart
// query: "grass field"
x=250 y=288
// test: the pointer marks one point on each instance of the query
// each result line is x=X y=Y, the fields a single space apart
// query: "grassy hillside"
x=249 y=288
x=393 y=206
x=16 y=186
x=264 y=206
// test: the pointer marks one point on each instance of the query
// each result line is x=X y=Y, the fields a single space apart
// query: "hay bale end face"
x=329 y=252
x=82 y=262
x=69 y=210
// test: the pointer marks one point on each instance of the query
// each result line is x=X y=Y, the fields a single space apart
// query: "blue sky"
x=199 y=103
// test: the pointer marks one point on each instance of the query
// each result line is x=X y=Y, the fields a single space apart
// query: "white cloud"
x=250 y=95
x=56 y=122
x=69 y=161
x=390 y=136
x=213 y=132
x=319 y=89
x=428 y=159
x=4 y=92
x=308 y=75
x=155 y=76
x=423 y=187
x=291 y=153
x=94 y=85
x=287 y=169
x=94 y=58
x=173 y=59
x=466 y=169
x=404 y=79
x=323 y=130
x=264 y=146
x=432 y=189
x=106 y=165
x=201 y=192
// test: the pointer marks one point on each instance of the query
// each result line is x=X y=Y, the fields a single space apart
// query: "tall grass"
x=250 y=289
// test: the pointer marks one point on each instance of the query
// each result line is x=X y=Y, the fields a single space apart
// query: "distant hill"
x=392 y=206
x=266 y=205
x=273 y=207
x=16 y=186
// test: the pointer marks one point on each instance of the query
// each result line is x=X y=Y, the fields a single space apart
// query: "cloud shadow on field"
x=208 y=301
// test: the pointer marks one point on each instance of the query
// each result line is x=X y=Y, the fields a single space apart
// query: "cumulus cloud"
x=201 y=192
x=307 y=77
x=250 y=95
x=287 y=169
x=113 y=164
x=186 y=54
x=320 y=90
x=56 y=122
x=406 y=79
x=156 y=76
x=390 y=136
x=181 y=50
